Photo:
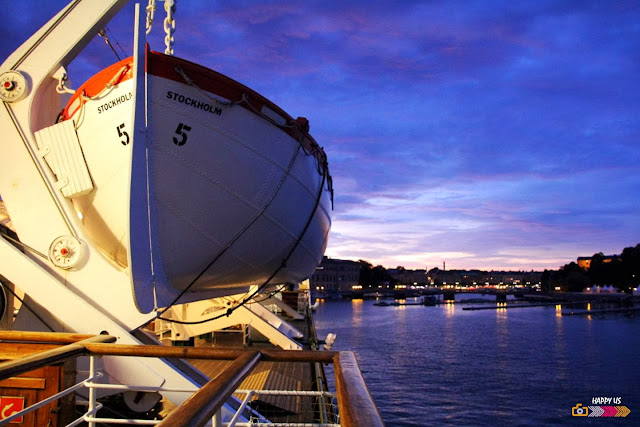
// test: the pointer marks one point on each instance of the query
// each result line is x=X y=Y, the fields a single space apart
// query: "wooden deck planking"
x=268 y=376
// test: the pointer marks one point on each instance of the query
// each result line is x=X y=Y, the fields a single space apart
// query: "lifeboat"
x=239 y=193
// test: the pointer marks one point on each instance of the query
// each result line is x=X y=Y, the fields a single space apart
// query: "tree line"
x=620 y=271
x=372 y=277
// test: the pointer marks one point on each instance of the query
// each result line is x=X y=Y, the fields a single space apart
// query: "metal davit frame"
x=356 y=407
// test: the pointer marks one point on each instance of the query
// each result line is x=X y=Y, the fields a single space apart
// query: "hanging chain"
x=151 y=9
x=169 y=25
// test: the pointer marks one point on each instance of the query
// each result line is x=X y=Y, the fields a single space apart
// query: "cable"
x=103 y=34
x=266 y=283
x=26 y=305
x=124 y=52
x=240 y=233
x=272 y=293
x=22 y=245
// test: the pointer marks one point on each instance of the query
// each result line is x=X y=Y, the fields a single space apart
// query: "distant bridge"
x=501 y=294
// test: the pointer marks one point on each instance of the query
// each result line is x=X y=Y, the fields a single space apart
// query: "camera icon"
x=579 y=411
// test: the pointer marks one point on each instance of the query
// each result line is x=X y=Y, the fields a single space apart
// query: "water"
x=522 y=366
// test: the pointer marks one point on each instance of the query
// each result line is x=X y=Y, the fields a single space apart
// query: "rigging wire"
x=4 y=234
x=7 y=288
x=24 y=246
x=115 y=39
x=270 y=294
x=240 y=233
x=103 y=34
x=266 y=283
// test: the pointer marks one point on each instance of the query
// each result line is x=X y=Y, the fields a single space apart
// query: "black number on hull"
x=182 y=131
x=122 y=133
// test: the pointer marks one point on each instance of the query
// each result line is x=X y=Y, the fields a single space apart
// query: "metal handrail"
x=356 y=406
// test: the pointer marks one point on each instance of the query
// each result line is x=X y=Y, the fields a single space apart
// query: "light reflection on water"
x=528 y=366
x=356 y=312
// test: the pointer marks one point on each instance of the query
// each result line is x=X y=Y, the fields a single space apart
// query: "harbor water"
x=523 y=366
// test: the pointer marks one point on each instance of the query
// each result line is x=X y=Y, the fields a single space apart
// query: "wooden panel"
x=47 y=415
x=12 y=351
x=11 y=368
x=17 y=382
x=35 y=386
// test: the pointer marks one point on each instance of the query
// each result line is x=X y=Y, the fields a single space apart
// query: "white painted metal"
x=231 y=418
x=13 y=86
x=61 y=150
x=273 y=300
x=95 y=295
x=276 y=330
x=136 y=221
x=275 y=321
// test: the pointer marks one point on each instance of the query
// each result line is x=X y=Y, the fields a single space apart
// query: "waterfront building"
x=409 y=277
x=470 y=278
x=333 y=276
x=585 y=261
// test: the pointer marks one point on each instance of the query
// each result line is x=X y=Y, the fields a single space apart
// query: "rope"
x=103 y=34
x=240 y=233
x=245 y=99
x=266 y=283
x=190 y=82
x=26 y=305
x=24 y=246
x=115 y=39
x=61 y=88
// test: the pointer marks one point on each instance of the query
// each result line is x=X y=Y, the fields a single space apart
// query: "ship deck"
x=270 y=375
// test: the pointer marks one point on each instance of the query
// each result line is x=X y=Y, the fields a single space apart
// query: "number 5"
x=122 y=133
x=182 y=131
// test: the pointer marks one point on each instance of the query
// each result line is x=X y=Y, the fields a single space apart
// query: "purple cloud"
x=495 y=134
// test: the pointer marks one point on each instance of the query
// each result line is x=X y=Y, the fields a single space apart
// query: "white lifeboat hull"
x=239 y=192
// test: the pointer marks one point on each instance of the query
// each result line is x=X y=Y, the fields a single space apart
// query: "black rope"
x=235 y=239
x=26 y=305
x=103 y=34
x=272 y=293
x=124 y=52
x=282 y=265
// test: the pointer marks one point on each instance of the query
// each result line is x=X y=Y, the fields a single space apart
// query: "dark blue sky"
x=487 y=134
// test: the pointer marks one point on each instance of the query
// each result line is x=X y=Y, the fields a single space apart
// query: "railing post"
x=216 y=420
x=92 y=390
x=322 y=408
x=204 y=403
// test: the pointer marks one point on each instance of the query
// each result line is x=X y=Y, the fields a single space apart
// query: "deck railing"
x=356 y=407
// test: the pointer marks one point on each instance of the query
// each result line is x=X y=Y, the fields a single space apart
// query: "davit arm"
x=94 y=295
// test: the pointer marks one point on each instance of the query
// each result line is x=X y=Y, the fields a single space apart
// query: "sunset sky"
x=487 y=134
